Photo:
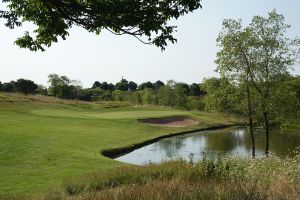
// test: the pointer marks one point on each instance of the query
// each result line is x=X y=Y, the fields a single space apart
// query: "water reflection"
x=227 y=141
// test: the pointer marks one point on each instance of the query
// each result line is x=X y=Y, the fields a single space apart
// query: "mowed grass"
x=44 y=140
x=108 y=115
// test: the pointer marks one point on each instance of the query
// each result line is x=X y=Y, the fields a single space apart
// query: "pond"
x=233 y=141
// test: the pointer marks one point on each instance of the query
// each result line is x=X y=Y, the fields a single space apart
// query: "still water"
x=234 y=141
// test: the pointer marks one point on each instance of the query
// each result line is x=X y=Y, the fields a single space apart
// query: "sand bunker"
x=171 y=121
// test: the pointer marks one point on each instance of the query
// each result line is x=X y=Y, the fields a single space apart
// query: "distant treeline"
x=213 y=94
x=171 y=93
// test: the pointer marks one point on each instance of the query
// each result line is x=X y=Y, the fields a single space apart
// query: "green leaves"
x=257 y=55
x=147 y=20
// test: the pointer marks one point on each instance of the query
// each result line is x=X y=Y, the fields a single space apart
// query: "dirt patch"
x=175 y=122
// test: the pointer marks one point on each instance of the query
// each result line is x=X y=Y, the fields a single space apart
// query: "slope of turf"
x=44 y=140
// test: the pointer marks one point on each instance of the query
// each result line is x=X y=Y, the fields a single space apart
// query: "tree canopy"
x=147 y=20
x=26 y=86
x=259 y=56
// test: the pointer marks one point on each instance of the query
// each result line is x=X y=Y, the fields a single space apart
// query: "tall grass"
x=221 y=178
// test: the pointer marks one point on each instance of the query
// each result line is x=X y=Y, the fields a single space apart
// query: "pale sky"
x=88 y=57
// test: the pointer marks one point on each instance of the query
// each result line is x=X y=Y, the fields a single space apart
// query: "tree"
x=63 y=87
x=143 y=19
x=96 y=84
x=132 y=86
x=147 y=96
x=195 y=90
x=1 y=86
x=181 y=92
x=26 y=86
x=286 y=101
x=136 y=97
x=55 y=83
x=86 y=94
x=221 y=95
x=145 y=85
x=274 y=53
x=185 y=88
x=42 y=90
x=234 y=64
x=167 y=95
x=122 y=85
x=120 y=95
x=157 y=85
x=111 y=87
x=67 y=91
x=257 y=56
x=104 y=86
x=9 y=87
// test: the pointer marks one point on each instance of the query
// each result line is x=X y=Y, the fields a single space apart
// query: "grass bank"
x=45 y=140
x=226 y=178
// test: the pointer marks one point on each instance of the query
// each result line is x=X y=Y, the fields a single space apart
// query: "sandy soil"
x=171 y=122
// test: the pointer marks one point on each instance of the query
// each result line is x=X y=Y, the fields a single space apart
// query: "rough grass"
x=44 y=140
x=226 y=178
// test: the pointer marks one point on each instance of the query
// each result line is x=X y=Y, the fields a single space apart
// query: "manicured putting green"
x=107 y=115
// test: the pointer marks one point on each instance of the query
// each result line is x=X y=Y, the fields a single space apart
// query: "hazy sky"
x=87 y=57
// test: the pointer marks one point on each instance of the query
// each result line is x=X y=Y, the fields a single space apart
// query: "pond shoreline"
x=117 y=152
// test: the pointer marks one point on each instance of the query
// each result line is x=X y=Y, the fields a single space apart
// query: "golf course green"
x=44 y=141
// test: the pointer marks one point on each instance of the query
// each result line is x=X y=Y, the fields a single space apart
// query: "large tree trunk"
x=250 y=121
x=266 y=118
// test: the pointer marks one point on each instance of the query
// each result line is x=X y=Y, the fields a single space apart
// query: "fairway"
x=43 y=143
